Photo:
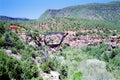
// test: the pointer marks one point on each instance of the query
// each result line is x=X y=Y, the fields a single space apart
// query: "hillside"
x=74 y=43
x=87 y=41
x=96 y=11
x=73 y=24
x=6 y=18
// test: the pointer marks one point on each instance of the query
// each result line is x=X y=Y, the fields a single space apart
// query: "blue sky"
x=34 y=8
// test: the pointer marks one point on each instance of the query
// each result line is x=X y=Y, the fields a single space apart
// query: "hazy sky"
x=34 y=8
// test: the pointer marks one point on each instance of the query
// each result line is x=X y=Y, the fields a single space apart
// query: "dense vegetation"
x=65 y=62
x=10 y=67
x=97 y=11
x=111 y=57
x=73 y=24
x=21 y=61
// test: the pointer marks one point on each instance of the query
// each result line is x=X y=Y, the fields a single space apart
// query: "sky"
x=32 y=9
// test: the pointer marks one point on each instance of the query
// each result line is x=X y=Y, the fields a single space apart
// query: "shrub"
x=19 y=44
x=14 y=50
x=95 y=70
x=11 y=68
x=46 y=66
x=2 y=41
x=78 y=59
x=79 y=33
x=77 y=76
x=3 y=27
x=9 y=40
x=63 y=71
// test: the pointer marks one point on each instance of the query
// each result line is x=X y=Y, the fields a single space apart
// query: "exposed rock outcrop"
x=52 y=76
x=9 y=53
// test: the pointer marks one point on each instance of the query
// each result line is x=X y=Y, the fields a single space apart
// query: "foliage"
x=47 y=66
x=3 y=27
x=11 y=68
x=2 y=41
x=62 y=69
x=96 y=11
x=14 y=50
x=73 y=24
x=102 y=52
x=77 y=76
x=65 y=62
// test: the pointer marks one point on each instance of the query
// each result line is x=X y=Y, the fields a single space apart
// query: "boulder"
x=32 y=43
x=8 y=51
x=17 y=56
x=52 y=76
x=55 y=75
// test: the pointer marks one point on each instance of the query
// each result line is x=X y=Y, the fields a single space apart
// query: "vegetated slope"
x=13 y=19
x=68 y=24
x=38 y=59
x=97 y=11
x=14 y=55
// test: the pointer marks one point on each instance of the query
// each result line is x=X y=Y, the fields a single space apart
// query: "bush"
x=11 y=68
x=2 y=42
x=94 y=69
x=19 y=44
x=14 y=50
x=3 y=27
x=78 y=59
x=47 y=66
x=9 y=40
x=79 y=33
x=77 y=76
x=63 y=71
